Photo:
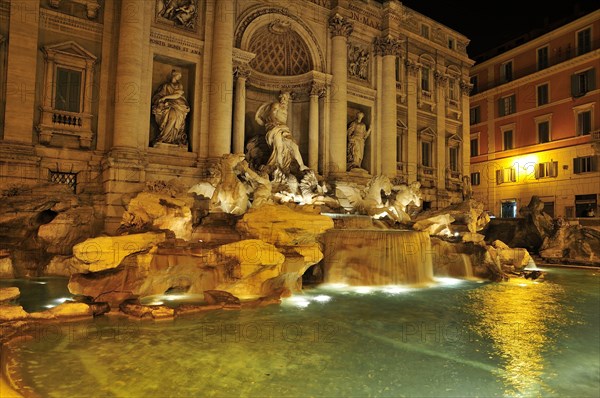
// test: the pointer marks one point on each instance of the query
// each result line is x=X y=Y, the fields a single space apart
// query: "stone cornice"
x=591 y=56
x=300 y=84
x=241 y=57
x=68 y=24
x=339 y=26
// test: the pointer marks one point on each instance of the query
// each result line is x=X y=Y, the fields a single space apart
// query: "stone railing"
x=54 y=121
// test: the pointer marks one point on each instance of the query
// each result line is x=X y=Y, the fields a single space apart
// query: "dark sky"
x=491 y=23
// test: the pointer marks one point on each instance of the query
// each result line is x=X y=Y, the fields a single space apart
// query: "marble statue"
x=369 y=201
x=467 y=189
x=170 y=108
x=357 y=135
x=405 y=195
x=285 y=151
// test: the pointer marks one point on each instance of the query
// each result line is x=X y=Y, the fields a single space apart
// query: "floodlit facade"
x=535 y=123
x=79 y=101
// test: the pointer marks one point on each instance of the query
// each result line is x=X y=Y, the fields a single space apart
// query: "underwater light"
x=61 y=300
x=40 y=283
x=448 y=281
x=297 y=301
x=322 y=298
x=363 y=289
x=395 y=289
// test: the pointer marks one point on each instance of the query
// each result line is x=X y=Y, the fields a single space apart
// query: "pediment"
x=401 y=125
x=69 y=48
x=428 y=131
x=455 y=138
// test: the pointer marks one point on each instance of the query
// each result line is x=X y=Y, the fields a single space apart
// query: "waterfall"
x=369 y=257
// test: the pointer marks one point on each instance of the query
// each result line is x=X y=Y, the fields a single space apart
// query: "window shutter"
x=554 y=169
x=591 y=79
x=537 y=170
x=576 y=166
x=501 y=107
x=513 y=174
x=594 y=163
x=574 y=85
x=513 y=104
x=499 y=176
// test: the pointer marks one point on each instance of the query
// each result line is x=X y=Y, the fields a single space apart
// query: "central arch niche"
x=288 y=58
x=279 y=50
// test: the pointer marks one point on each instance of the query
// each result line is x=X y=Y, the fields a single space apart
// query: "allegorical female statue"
x=357 y=135
x=170 y=109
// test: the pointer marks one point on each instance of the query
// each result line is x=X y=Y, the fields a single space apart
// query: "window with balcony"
x=583 y=82
x=425 y=78
x=67 y=102
x=506 y=105
x=585 y=164
x=453 y=158
x=506 y=72
x=452 y=89
x=475 y=178
x=426 y=154
x=542 y=58
x=542 y=94
x=584 y=41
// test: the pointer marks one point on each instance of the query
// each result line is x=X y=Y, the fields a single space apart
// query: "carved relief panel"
x=358 y=62
x=181 y=14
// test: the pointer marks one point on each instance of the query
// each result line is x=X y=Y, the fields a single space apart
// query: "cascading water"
x=371 y=257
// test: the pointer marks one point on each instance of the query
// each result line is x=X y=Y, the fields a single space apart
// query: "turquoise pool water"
x=455 y=339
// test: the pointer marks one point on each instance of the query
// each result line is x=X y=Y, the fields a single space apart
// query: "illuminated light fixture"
x=322 y=298
x=448 y=281
x=297 y=301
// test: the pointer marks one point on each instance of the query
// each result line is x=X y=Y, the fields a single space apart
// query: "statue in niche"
x=357 y=135
x=181 y=12
x=467 y=189
x=285 y=155
x=170 y=108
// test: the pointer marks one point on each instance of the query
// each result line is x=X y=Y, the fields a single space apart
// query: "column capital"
x=386 y=45
x=412 y=67
x=465 y=87
x=318 y=89
x=339 y=26
x=440 y=77
x=241 y=71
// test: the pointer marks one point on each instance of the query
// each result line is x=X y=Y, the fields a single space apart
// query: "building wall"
x=125 y=50
x=560 y=111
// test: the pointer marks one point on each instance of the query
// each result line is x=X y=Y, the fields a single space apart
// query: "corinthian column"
x=387 y=47
x=221 y=80
x=239 y=117
x=340 y=30
x=412 y=141
x=316 y=91
x=129 y=75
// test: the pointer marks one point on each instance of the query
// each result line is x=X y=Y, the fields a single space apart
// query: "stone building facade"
x=80 y=105
x=535 y=128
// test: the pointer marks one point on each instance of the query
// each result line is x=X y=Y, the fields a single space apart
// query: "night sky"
x=492 y=23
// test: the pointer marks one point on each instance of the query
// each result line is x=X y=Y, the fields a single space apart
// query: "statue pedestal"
x=169 y=148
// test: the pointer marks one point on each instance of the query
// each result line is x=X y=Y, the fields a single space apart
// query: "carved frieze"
x=339 y=26
x=182 y=14
x=358 y=62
